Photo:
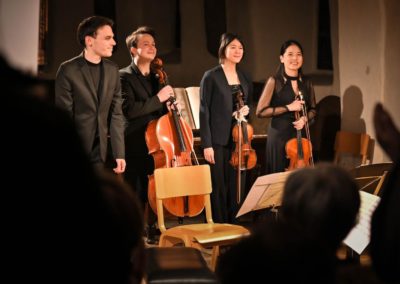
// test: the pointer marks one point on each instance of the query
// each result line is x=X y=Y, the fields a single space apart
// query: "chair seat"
x=207 y=233
x=177 y=265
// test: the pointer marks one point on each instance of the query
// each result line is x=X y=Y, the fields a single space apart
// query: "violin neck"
x=299 y=146
x=238 y=177
x=245 y=134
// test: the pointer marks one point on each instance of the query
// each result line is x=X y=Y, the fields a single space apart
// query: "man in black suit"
x=144 y=100
x=88 y=88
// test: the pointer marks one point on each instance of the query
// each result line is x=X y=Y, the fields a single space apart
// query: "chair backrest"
x=182 y=181
x=356 y=144
x=179 y=182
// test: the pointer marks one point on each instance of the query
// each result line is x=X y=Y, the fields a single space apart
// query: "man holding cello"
x=144 y=100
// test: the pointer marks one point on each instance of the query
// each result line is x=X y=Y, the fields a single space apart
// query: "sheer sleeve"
x=264 y=108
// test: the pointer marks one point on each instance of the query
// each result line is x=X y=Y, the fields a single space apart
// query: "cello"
x=299 y=149
x=243 y=157
x=170 y=141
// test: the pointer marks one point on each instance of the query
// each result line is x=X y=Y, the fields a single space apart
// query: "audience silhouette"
x=385 y=223
x=64 y=223
x=323 y=202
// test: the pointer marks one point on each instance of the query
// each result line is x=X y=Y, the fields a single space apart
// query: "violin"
x=243 y=157
x=170 y=142
x=299 y=149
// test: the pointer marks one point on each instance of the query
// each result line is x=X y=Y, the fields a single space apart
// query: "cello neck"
x=177 y=125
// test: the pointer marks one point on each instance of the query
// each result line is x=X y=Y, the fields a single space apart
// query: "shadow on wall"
x=324 y=129
x=353 y=106
x=352 y=109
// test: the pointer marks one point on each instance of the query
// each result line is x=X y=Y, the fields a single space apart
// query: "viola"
x=299 y=149
x=243 y=156
x=170 y=142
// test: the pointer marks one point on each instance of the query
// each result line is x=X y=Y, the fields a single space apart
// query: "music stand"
x=266 y=192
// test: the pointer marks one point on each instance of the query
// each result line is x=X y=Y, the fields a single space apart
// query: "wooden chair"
x=185 y=181
x=354 y=144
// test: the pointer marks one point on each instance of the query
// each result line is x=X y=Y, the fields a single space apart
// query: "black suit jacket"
x=216 y=105
x=76 y=93
x=140 y=106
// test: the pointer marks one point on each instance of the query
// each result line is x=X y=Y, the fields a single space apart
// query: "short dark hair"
x=322 y=201
x=132 y=39
x=89 y=26
x=226 y=39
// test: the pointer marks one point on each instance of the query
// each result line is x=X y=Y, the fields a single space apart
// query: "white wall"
x=19 y=33
x=368 y=51
x=391 y=90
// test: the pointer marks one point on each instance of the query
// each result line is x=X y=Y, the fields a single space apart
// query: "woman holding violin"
x=218 y=100
x=288 y=99
x=144 y=100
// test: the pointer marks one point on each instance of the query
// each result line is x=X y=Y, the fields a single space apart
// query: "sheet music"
x=266 y=192
x=193 y=95
x=359 y=236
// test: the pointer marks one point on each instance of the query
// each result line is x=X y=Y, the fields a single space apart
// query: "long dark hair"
x=280 y=71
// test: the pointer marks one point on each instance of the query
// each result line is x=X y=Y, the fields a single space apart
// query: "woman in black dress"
x=279 y=101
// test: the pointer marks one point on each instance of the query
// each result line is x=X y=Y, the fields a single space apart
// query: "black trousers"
x=223 y=196
x=136 y=175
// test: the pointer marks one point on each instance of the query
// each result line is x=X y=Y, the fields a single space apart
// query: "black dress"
x=281 y=129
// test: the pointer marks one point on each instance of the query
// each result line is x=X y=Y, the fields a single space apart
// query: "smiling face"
x=292 y=59
x=102 y=43
x=234 y=52
x=146 y=48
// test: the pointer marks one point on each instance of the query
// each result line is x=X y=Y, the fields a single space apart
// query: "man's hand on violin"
x=209 y=155
x=299 y=124
x=165 y=93
x=296 y=105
